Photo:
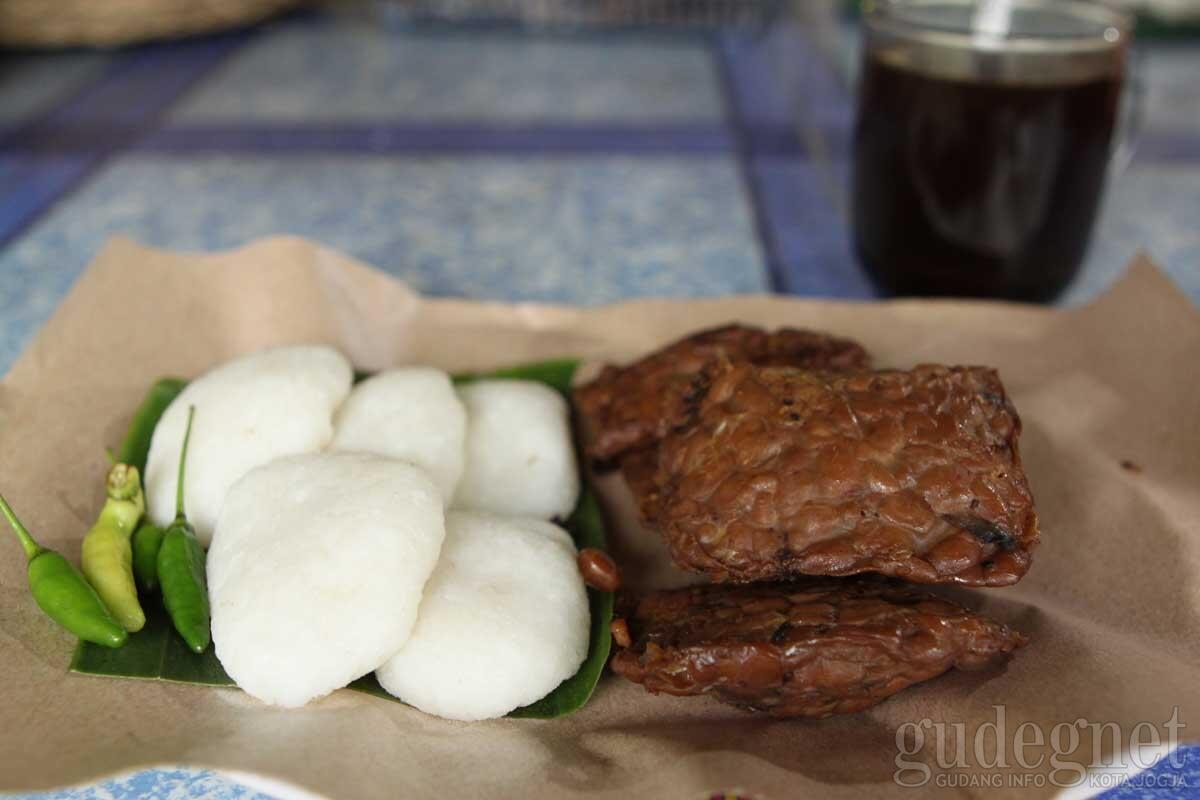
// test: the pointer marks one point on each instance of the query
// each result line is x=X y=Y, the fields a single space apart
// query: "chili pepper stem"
x=32 y=548
x=187 y=434
x=126 y=503
x=123 y=482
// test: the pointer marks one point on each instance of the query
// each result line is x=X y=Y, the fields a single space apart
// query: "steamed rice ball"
x=520 y=459
x=249 y=411
x=316 y=571
x=412 y=414
x=503 y=622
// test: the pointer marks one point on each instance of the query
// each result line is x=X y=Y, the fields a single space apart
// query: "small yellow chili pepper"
x=107 y=552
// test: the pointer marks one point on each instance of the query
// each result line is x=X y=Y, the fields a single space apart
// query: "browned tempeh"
x=627 y=408
x=811 y=648
x=913 y=474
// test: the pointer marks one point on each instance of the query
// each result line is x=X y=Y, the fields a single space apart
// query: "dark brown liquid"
x=976 y=189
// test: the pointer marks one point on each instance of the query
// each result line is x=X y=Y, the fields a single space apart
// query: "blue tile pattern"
x=176 y=784
x=132 y=91
x=300 y=72
x=1164 y=780
x=32 y=83
x=426 y=138
x=786 y=78
x=586 y=230
x=31 y=184
x=47 y=156
x=1154 y=206
x=1172 y=100
x=802 y=205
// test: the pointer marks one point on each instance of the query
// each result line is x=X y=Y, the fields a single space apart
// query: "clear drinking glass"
x=983 y=136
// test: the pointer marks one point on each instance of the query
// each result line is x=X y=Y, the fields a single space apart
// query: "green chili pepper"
x=107 y=553
x=181 y=568
x=147 y=540
x=136 y=444
x=62 y=592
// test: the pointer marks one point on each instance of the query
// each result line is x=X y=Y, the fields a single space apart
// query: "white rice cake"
x=316 y=571
x=412 y=414
x=520 y=459
x=249 y=411
x=504 y=620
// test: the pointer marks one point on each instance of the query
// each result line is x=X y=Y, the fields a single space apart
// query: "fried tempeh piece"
x=638 y=469
x=913 y=474
x=627 y=408
x=810 y=648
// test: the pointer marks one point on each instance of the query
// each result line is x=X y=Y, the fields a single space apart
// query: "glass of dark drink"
x=984 y=132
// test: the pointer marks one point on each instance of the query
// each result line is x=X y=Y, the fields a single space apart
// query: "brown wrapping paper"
x=1112 y=603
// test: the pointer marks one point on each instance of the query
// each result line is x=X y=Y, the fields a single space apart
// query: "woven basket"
x=102 y=23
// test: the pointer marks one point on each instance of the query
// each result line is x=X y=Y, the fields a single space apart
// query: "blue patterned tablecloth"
x=495 y=164
x=175 y=784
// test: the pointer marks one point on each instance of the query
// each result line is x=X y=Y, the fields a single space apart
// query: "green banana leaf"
x=157 y=653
